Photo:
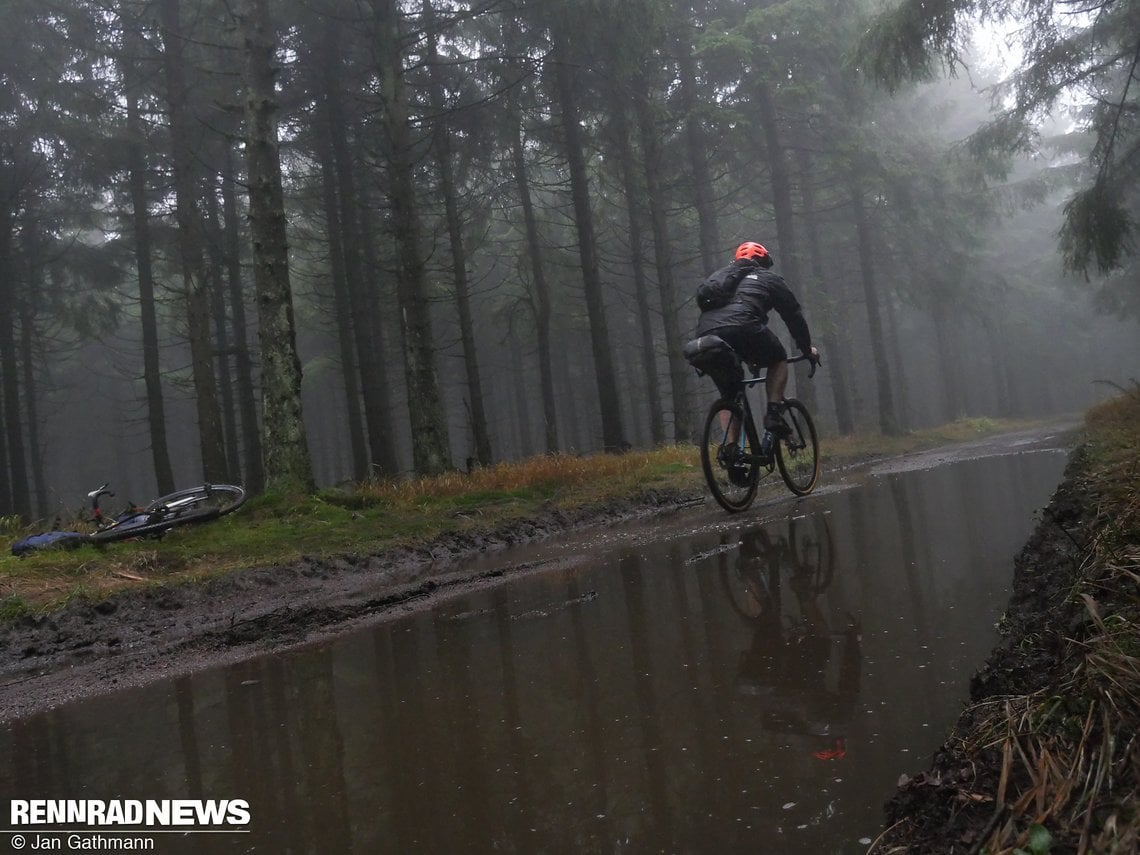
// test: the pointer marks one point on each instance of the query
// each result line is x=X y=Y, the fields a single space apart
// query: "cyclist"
x=743 y=323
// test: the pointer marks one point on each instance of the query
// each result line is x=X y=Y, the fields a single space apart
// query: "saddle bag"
x=713 y=356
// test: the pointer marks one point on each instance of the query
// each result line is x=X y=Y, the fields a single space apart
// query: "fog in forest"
x=497 y=215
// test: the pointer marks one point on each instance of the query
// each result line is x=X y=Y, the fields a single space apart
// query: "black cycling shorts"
x=756 y=345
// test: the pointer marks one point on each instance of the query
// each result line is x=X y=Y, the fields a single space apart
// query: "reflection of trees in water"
x=776 y=587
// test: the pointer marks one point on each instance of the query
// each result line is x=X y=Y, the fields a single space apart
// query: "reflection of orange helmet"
x=751 y=249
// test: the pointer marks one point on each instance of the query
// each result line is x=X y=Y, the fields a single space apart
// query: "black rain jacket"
x=758 y=294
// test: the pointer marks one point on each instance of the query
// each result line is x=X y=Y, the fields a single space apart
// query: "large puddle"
x=757 y=687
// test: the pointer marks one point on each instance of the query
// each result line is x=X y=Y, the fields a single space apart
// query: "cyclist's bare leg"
x=777 y=382
x=732 y=426
x=775 y=386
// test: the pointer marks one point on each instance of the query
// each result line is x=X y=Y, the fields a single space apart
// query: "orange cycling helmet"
x=751 y=249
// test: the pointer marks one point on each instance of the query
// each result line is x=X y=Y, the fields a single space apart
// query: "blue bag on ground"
x=48 y=540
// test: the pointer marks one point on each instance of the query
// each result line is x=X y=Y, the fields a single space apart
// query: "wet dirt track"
x=693 y=681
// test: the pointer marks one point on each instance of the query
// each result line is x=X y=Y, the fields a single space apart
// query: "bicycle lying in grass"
x=734 y=454
x=185 y=507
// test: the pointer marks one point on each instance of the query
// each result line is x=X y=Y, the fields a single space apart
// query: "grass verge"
x=373 y=517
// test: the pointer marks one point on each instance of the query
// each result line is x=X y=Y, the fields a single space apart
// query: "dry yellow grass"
x=566 y=472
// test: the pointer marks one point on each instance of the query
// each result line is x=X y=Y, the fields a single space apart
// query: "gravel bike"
x=185 y=507
x=735 y=455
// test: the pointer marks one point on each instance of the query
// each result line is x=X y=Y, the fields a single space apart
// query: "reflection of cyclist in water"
x=788 y=667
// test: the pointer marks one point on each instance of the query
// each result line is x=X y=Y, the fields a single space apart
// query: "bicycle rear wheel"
x=797 y=455
x=748 y=579
x=731 y=470
x=185 y=507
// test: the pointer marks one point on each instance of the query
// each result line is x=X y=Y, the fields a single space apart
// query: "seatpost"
x=94 y=497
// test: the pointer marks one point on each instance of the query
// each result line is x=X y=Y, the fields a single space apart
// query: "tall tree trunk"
x=367 y=341
x=9 y=369
x=888 y=420
x=900 y=390
x=140 y=220
x=675 y=330
x=27 y=362
x=941 y=297
x=824 y=309
x=442 y=144
x=285 y=446
x=634 y=205
x=948 y=362
x=517 y=381
x=939 y=308
x=1011 y=392
x=28 y=312
x=784 y=209
x=6 y=506
x=431 y=448
x=247 y=399
x=346 y=320
x=781 y=182
x=612 y=438
x=540 y=289
x=574 y=413
x=703 y=194
x=381 y=429
x=191 y=240
x=369 y=368
x=215 y=244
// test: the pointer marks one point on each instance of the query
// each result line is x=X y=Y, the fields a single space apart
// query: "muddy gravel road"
x=91 y=648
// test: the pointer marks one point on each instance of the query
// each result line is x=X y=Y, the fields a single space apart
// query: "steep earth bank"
x=1045 y=759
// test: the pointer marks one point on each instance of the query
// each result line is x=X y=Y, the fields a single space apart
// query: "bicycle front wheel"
x=797 y=455
x=731 y=468
x=186 y=507
x=813 y=554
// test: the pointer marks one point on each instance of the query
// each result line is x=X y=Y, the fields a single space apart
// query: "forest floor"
x=1043 y=759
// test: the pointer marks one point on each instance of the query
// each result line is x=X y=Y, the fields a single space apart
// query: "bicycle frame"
x=99 y=518
x=735 y=455
x=746 y=404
